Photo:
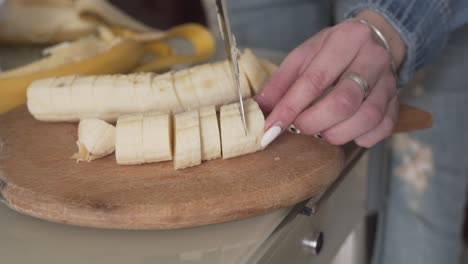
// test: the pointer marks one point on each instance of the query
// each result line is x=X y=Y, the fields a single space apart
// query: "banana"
x=254 y=70
x=209 y=133
x=109 y=96
x=187 y=143
x=233 y=138
x=143 y=138
x=129 y=140
x=96 y=139
x=122 y=57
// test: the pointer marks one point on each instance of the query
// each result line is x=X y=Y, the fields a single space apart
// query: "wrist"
x=396 y=43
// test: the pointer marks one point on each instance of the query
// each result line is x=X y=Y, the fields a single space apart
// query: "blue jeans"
x=424 y=209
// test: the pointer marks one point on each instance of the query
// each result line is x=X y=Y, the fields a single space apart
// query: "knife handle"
x=411 y=118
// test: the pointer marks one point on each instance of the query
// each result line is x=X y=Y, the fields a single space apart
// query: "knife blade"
x=232 y=52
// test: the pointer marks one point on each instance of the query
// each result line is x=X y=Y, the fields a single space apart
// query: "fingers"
x=288 y=71
x=368 y=116
x=384 y=129
x=347 y=97
x=336 y=53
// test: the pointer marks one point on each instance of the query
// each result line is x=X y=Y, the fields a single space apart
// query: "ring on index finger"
x=359 y=80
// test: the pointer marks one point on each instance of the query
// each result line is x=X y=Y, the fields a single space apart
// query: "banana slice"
x=143 y=138
x=223 y=70
x=96 y=139
x=38 y=98
x=83 y=100
x=209 y=131
x=143 y=92
x=185 y=90
x=207 y=86
x=223 y=82
x=254 y=70
x=157 y=136
x=187 y=140
x=123 y=95
x=165 y=94
x=234 y=141
x=103 y=89
x=61 y=98
x=269 y=67
x=129 y=140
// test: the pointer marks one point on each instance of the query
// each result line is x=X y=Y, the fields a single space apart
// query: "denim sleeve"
x=424 y=25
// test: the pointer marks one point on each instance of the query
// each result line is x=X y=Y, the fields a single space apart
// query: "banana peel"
x=53 y=21
x=121 y=58
x=72 y=19
x=61 y=54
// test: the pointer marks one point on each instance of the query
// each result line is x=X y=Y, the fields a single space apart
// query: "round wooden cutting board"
x=38 y=178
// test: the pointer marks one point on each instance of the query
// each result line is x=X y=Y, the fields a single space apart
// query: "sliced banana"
x=128 y=140
x=185 y=90
x=269 y=67
x=107 y=97
x=38 y=99
x=207 y=87
x=226 y=77
x=143 y=138
x=61 y=97
x=187 y=140
x=103 y=96
x=144 y=95
x=254 y=70
x=83 y=100
x=147 y=137
x=96 y=139
x=234 y=141
x=209 y=131
x=124 y=95
x=157 y=136
x=165 y=94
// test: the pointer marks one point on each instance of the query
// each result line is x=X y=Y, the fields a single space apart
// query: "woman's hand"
x=343 y=115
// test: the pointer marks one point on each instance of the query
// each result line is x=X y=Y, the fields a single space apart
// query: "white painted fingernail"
x=270 y=135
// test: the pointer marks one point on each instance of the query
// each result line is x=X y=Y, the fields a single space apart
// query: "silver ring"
x=359 y=80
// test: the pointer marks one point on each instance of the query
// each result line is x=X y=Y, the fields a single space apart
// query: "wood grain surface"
x=38 y=178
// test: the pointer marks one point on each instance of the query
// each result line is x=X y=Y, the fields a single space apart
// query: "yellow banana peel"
x=68 y=23
x=121 y=58
x=52 y=21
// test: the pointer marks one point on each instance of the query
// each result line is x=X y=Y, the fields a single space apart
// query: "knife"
x=231 y=51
